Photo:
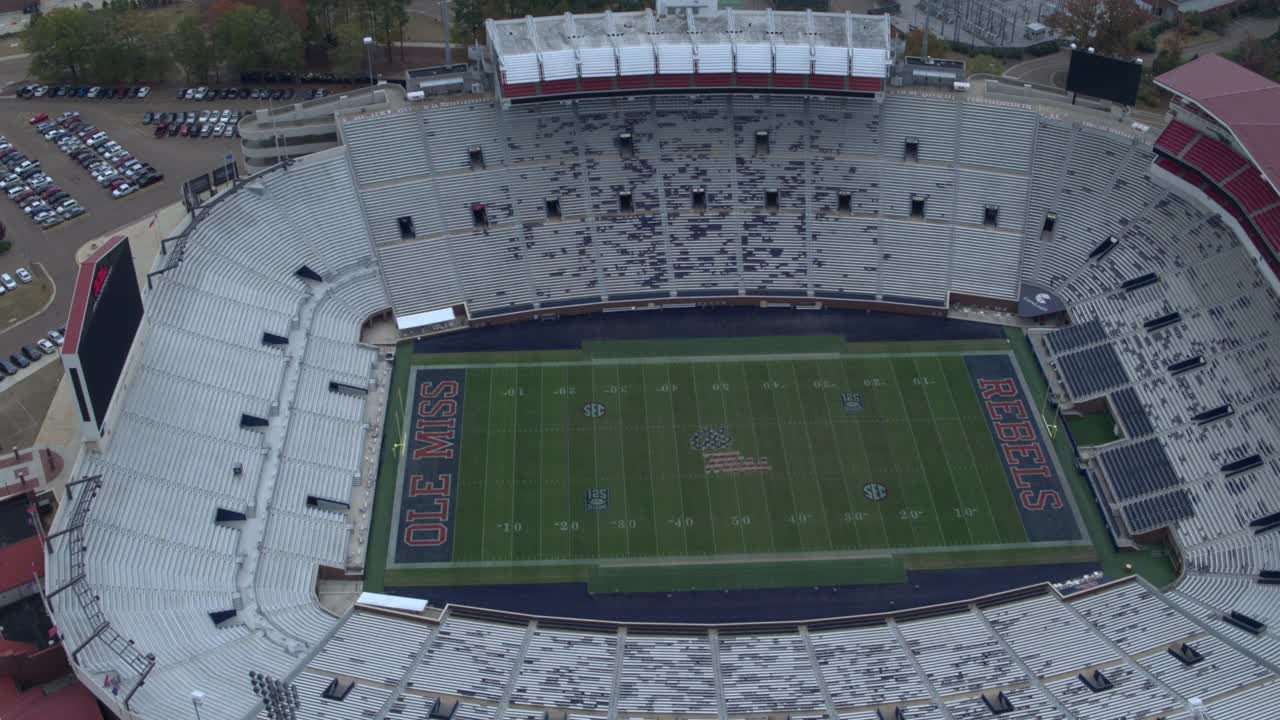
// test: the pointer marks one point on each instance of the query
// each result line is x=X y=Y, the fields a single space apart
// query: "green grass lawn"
x=544 y=430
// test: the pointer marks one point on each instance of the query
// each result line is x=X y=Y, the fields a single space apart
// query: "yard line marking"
x=924 y=390
x=675 y=437
x=737 y=490
x=706 y=480
x=567 y=422
x=484 y=506
x=973 y=459
x=911 y=431
x=622 y=457
x=755 y=440
x=653 y=492
x=862 y=441
x=795 y=507
x=595 y=462
x=541 y=463
x=844 y=484
x=809 y=441
x=515 y=413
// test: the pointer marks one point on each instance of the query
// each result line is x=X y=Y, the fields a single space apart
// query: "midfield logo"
x=732 y=461
x=597 y=499
x=851 y=402
x=711 y=438
x=593 y=410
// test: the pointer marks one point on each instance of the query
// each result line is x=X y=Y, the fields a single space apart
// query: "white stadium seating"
x=156 y=563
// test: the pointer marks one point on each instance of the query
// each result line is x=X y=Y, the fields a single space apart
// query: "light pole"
x=368 y=53
x=197 y=698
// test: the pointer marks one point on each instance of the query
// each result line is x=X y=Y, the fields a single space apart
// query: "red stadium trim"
x=757 y=80
x=864 y=84
x=597 y=83
x=519 y=90
x=670 y=81
x=634 y=82
x=80 y=296
x=714 y=79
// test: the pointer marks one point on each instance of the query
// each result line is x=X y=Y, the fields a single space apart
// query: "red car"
x=37 y=119
x=186 y=130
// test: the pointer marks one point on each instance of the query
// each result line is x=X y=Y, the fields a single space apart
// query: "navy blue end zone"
x=427 y=497
x=1038 y=492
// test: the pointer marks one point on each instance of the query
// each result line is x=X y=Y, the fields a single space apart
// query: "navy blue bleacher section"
x=1092 y=371
x=1159 y=511
x=1129 y=411
x=1138 y=469
x=1074 y=336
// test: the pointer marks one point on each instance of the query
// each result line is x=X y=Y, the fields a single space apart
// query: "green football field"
x=571 y=465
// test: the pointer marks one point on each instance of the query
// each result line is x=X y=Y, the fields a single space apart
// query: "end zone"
x=427 y=480
x=1043 y=503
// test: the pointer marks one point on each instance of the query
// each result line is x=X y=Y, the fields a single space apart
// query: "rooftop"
x=1247 y=103
x=567 y=32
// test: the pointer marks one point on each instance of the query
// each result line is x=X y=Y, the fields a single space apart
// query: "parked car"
x=32 y=352
x=23 y=274
x=9 y=282
x=38 y=118
x=20 y=360
x=143 y=91
x=46 y=347
x=56 y=337
x=147 y=117
x=7 y=367
x=123 y=190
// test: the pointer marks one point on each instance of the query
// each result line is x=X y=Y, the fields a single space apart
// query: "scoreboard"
x=106 y=312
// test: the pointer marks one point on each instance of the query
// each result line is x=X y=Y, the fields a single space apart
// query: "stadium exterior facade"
x=635 y=160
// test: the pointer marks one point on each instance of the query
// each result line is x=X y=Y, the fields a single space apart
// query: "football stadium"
x=695 y=367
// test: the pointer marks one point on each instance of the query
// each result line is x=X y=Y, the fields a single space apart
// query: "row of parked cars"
x=27 y=92
x=110 y=164
x=34 y=192
x=27 y=354
x=206 y=123
x=245 y=93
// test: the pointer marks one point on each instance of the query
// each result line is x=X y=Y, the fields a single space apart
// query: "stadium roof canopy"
x=642 y=43
x=1243 y=101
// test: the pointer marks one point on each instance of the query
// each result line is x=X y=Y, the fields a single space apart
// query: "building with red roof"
x=1223 y=138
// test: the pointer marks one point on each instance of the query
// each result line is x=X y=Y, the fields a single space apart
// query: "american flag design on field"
x=732 y=461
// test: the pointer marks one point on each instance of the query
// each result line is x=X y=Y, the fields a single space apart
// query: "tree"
x=915 y=44
x=63 y=42
x=191 y=50
x=1170 y=55
x=1259 y=56
x=249 y=38
x=145 y=43
x=348 y=56
x=1106 y=25
x=467 y=22
x=984 y=64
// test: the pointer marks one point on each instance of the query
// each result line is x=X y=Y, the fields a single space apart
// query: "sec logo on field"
x=875 y=491
x=593 y=410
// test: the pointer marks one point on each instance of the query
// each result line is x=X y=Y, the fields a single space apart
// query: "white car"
x=46 y=347
x=16 y=190
x=9 y=182
x=123 y=190
x=23 y=274
x=144 y=91
x=56 y=337
x=9 y=282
